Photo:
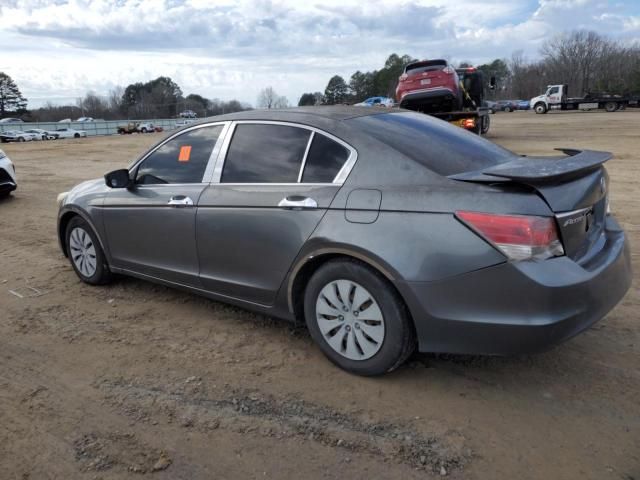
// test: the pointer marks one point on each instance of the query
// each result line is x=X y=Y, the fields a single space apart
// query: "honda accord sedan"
x=385 y=231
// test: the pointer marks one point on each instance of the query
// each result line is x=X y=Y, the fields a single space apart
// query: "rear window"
x=325 y=159
x=416 y=68
x=442 y=148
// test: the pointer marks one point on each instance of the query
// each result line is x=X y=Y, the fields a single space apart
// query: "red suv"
x=429 y=86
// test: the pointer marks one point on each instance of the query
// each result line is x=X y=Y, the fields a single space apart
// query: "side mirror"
x=492 y=83
x=118 y=179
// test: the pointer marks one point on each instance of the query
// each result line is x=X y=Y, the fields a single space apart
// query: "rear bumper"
x=428 y=95
x=520 y=307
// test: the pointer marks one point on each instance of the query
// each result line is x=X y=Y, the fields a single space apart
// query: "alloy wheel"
x=83 y=252
x=350 y=319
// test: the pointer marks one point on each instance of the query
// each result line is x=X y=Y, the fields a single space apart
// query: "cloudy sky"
x=57 y=50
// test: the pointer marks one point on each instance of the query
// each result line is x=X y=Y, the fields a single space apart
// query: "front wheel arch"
x=540 y=108
x=64 y=222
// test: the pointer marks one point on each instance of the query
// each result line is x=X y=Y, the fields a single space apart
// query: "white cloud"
x=233 y=48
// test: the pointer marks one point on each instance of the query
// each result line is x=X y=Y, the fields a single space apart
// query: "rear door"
x=272 y=186
x=151 y=227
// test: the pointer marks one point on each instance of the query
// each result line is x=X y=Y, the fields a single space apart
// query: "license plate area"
x=425 y=81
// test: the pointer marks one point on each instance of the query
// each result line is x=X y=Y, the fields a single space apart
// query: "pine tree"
x=11 y=100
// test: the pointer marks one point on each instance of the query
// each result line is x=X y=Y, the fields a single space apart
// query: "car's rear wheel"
x=85 y=253
x=77 y=135
x=21 y=139
x=357 y=319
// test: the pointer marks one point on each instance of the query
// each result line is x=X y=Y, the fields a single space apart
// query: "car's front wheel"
x=357 y=319
x=85 y=253
x=77 y=135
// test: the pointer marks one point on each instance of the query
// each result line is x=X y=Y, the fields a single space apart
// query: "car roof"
x=306 y=115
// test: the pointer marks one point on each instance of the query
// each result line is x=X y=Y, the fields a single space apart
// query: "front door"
x=150 y=227
x=276 y=183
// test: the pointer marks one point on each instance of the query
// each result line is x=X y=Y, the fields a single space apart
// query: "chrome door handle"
x=297 y=202
x=180 y=201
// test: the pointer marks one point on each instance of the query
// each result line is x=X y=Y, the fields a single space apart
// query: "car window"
x=180 y=160
x=325 y=159
x=265 y=153
x=442 y=148
x=553 y=90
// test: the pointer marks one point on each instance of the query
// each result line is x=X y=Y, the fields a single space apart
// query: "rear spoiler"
x=539 y=169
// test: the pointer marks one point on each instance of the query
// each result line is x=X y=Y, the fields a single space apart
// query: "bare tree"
x=267 y=98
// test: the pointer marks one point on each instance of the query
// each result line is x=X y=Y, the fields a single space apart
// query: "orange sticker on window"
x=185 y=153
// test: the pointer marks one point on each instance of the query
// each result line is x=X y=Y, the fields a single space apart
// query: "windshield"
x=443 y=148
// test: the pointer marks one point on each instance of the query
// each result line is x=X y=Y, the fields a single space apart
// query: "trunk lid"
x=575 y=187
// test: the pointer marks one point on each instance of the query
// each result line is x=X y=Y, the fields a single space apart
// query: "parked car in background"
x=429 y=86
x=183 y=123
x=523 y=105
x=384 y=230
x=188 y=114
x=159 y=128
x=490 y=105
x=85 y=119
x=70 y=133
x=146 y=127
x=506 y=105
x=65 y=120
x=11 y=120
x=41 y=134
x=8 y=182
x=15 y=136
x=376 y=102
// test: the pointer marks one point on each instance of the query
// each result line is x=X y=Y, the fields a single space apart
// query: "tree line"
x=158 y=98
x=585 y=60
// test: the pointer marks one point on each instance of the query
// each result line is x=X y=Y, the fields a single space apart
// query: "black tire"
x=102 y=273
x=77 y=135
x=485 y=121
x=21 y=139
x=144 y=130
x=399 y=340
x=508 y=109
x=540 y=108
x=611 y=106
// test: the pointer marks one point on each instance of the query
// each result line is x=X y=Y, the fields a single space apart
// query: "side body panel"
x=246 y=242
x=147 y=235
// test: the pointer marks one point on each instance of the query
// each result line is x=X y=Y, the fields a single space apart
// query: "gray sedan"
x=385 y=231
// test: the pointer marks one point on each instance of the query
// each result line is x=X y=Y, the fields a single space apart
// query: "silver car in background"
x=384 y=230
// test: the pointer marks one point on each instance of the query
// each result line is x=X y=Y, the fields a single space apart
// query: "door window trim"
x=339 y=179
x=213 y=157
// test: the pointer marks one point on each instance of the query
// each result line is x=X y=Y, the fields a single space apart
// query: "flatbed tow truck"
x=474 y=115
x=556 y=98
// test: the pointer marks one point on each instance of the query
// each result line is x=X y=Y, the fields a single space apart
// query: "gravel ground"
x=137 y=379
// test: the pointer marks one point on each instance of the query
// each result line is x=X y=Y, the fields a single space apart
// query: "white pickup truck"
x=556 y=98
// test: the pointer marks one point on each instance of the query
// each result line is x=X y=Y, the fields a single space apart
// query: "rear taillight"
x=403 y=77
x=519 y=237
x=448 y=69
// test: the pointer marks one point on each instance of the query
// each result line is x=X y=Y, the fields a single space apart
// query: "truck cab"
x=554 y=95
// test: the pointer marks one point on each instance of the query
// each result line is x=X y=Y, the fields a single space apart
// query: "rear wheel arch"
x=303 y=271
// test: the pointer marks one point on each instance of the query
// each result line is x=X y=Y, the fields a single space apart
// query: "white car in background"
x=39 y=134
x=11 y=120
x=69 y=133
x=8 y=181
x=15 y=136
x=85 y=119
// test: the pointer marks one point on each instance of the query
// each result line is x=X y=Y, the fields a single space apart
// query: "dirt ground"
x=136 y=379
